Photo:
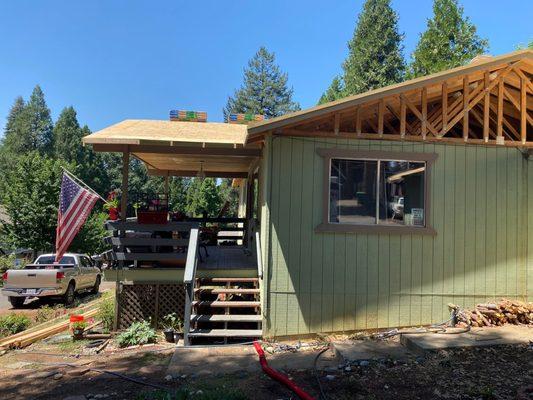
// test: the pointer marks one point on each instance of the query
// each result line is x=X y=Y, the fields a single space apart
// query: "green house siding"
x=326 y=282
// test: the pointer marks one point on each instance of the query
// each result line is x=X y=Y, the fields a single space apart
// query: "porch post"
x=123 y=210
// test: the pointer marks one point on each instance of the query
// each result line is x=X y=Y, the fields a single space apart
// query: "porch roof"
x=180 y=148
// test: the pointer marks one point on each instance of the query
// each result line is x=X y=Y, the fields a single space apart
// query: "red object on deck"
x=279 y=376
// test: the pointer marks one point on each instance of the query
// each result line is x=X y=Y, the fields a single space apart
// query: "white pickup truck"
x=43 y=278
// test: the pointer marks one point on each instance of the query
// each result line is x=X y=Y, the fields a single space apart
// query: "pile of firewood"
x=495 y=314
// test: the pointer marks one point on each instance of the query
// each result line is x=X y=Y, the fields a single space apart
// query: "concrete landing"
x=202 y=361
x=370 y=350
x=507 y=334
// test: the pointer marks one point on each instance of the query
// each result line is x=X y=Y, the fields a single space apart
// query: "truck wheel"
x=96 y=286
x=68 y=297
x=16 y=302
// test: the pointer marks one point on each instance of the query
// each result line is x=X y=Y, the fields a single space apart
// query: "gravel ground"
x=476 y=373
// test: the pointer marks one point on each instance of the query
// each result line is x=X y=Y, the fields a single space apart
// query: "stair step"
x=219 y=290
x=226 y=333
x=227 y=318
x=233 y=279
x=218 y=303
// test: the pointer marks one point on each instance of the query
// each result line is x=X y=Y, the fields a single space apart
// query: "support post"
x=466 y=88
x=444 y=108
x=123 y=209
x=486 y=108
x=523 y=110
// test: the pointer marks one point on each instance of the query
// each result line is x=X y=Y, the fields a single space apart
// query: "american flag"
x=75 y=205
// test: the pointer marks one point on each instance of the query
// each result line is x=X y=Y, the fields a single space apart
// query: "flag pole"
x=83 y=183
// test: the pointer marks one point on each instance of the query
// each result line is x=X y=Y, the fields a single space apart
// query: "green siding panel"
x=321 y=282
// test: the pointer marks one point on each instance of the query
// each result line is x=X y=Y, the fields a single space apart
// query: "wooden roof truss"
x=491 y=106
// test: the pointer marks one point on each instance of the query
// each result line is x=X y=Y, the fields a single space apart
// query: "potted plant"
x=78 y=328
x=112 y=206
x=172 y=327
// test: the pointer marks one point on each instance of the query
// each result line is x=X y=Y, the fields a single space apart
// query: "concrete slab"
x=507 y=334
x=202 y=361
x=370 y=350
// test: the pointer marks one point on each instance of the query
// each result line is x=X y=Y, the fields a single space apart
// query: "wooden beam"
x=444 y=107
x=518 y=71
x=523 y=110
x=424 y=127
x=486 y=108
x=209 y=174
x=337 y=123
x=381 y=114
x=124 y=186
x=518 y=103
x=184 y=150
x=358 y=120
x=499 y=112
x=418 y=114
x=466 y=89
x=480 y=118
x=403 y=117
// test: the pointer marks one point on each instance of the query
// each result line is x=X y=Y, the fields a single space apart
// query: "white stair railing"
x=189 y=278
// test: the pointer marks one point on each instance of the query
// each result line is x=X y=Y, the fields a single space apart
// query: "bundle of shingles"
x=495 y=314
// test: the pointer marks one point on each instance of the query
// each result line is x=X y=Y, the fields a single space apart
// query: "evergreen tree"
x=67 y=137
x=334 y=92
x=177 y=188
x=14 y=129
x=375 y=51
x=450 y=40
x=264 y=90
x=203 y=197
x=38 y=133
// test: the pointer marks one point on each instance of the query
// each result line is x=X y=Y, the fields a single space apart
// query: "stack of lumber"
x=28 y=337
x=191 y=116
x=495 y=314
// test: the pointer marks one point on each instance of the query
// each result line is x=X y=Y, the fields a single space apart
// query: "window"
x=376 y=191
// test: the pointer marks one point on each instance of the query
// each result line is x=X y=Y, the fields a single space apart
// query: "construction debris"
x=495 y=314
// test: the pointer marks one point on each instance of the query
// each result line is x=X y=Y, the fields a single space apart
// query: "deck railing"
x=189 y=278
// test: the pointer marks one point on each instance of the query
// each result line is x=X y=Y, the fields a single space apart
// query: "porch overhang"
x=174 y=148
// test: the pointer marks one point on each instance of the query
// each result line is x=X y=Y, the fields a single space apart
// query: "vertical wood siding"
x=325 y=282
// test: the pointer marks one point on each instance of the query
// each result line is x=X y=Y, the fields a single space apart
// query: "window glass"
x=401 y=193
x=352 y=197
x=353 y=188
x=51 y=259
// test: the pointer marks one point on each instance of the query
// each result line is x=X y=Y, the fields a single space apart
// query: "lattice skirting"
x=151 y=301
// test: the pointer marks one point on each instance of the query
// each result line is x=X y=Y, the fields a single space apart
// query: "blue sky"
x=114 y=60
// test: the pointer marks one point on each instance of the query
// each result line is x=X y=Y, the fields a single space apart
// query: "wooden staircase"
x=225 y=308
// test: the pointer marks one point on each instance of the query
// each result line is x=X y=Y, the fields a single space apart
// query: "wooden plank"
x=136 y=227
x=425 y=113
x=226 y=333
x=381 y=113
x=213 y=290
x=119 y=241
x=224 y=304
x=466 y=88
x=227 y=318
x=336 y=123
x=444 y=101
x=150 y=256
x=403 y=117
x=358 y=120
x=499 y=121
x=486 y=108
x=523 y=110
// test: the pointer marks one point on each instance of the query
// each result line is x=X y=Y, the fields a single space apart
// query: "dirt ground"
x=475 y=373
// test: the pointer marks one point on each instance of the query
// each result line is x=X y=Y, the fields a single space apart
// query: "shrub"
x=46 y=313
x=106 y=313
x=13 y=323
x=137 y=333
x=172 y=321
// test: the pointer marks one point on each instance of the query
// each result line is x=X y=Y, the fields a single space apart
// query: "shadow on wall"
x=319 y=282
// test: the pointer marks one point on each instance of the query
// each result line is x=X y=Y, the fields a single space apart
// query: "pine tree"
x=14 y=129
x=203 y=197
x=375 y=51
x=334 y=92
x=39 y=135
x=450 y=40
x=67 y=137
x=264 y=90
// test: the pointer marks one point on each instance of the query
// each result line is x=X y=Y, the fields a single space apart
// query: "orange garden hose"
x=279 y=376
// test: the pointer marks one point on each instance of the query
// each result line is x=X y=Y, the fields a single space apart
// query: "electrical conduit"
x=279 y=376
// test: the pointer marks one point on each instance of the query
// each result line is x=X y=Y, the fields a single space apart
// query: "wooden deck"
x=227 y=257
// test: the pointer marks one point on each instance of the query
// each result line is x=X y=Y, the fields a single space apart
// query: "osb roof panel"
x=479 y=64
x=154 y=131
